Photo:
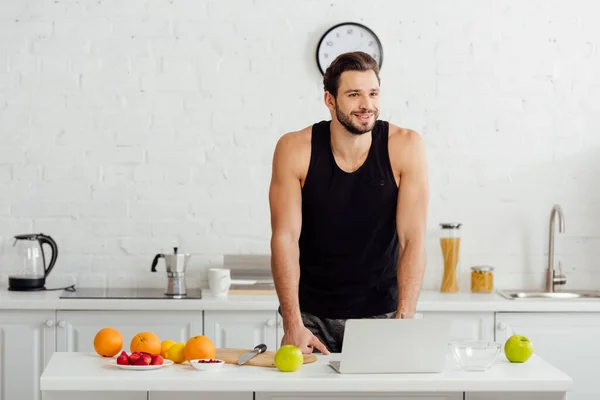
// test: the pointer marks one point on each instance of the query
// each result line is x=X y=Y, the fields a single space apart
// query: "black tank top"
x=348 y=241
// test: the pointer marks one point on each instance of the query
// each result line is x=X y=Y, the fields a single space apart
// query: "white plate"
x=165 y=363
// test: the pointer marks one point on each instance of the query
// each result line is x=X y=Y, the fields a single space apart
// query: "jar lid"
x=482 y=268
x=451 y=225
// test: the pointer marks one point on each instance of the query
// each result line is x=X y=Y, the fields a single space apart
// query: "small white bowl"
x=213 y=366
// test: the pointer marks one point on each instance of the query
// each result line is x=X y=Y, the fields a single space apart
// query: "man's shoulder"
x=403 y=135
x=405 y=147
x=294 y=148
x=300 y=138
x=403 y=139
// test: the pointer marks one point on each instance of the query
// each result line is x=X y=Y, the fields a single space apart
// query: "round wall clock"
x=345 y=37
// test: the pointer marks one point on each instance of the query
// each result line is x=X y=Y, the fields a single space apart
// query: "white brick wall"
x=127 y=126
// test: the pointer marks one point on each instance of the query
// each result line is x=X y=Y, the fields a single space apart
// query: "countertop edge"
x=429 y=301
x=530 y=386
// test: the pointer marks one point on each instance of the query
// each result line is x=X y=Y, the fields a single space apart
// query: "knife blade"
x=244 y=358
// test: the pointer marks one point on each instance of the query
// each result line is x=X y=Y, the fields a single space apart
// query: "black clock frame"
x=349 y=23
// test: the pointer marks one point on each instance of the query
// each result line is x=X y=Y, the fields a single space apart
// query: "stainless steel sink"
x=540 y=294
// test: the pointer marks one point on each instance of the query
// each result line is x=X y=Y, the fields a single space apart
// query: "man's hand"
x=302 y=338
x=404 y=315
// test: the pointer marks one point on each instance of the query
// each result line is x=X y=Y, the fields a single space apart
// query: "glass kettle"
x=34 y=267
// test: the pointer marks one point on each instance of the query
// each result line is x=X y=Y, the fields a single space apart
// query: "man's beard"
x=356 y=128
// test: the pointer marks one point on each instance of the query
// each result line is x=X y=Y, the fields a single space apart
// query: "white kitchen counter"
x=429 y=301
x=89 y=372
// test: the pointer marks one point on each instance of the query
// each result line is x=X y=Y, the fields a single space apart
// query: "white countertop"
x=89 y=372
x=429 y=301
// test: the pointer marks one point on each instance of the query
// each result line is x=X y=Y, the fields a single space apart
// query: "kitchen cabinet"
x=27 y=340
x=201 y=395
x=467 y=325
x=569 y=341
x=241 y=329
x=76 y=329
x=352 y=395
x=96 y=395
x=515 y=396
x=279 y=331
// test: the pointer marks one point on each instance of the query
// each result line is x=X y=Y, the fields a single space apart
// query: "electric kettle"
x=33 y=269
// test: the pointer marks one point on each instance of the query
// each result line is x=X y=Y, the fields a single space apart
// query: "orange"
x=199 y=347
x=108 y=342
x=145 y=342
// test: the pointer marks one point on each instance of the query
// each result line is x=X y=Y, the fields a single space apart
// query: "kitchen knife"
x=244 y=358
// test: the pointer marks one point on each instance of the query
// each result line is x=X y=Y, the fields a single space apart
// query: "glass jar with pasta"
x=450 y=244
x=482 y=279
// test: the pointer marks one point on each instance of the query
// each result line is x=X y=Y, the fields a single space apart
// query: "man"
x=348 y=201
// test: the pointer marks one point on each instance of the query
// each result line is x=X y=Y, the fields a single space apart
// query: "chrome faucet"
x=551 y=278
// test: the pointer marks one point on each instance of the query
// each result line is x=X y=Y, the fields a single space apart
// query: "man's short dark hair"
x=353 y=61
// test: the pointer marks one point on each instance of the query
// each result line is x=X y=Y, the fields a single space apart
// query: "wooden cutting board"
x=266 y=359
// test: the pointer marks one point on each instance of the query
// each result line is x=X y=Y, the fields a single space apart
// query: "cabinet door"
x=241 y=329
x=357 y=396
x=201 y=396
x=567 y=341
x=467 y=325
x=27 y=340
x=68 y=395
x=516 y=396
x=76 y=329
x=280 y=331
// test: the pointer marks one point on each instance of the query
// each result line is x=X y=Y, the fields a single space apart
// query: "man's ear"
x=329 y=101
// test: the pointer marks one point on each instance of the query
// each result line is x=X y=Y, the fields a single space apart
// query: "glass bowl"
x=475 y=355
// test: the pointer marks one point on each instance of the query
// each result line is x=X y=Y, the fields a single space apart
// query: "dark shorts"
x=330 y=331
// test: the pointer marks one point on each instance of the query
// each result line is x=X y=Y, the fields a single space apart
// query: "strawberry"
x=144 y=359
x=123 y=359
x=133 y=358
x=156 y=360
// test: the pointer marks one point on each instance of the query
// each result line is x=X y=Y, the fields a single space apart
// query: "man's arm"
x=285 y=199
x=286 y=220
x=413 y=202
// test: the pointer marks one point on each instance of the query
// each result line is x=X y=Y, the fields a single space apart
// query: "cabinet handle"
x=49 y=323
x=270 y=322
x=62 y=324
x=502 y=326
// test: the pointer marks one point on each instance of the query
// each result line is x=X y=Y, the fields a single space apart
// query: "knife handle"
x=261 y=348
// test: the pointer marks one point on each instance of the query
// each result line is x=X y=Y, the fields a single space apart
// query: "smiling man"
x=348 y=201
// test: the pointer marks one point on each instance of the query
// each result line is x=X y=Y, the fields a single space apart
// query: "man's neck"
x=348 y=148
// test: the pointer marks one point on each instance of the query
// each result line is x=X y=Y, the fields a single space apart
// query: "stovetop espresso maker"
x=176 y=265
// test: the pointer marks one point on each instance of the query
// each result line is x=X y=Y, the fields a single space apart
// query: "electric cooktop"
x=127 y=293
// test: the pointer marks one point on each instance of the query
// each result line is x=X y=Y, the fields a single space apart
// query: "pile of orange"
x=108 y=342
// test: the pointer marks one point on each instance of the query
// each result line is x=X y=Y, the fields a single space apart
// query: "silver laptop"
x=393 y=346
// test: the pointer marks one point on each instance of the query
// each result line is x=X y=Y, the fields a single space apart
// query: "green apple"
x=518 y=349
x=288 y=358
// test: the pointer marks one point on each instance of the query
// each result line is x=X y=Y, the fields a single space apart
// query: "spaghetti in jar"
x=482 y=279
x=450 y=245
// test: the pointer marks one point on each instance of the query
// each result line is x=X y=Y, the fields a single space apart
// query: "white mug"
x=219 y=281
